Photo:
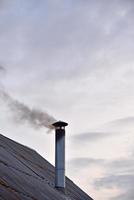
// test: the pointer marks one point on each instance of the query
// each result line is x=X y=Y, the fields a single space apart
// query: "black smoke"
x=24 y=114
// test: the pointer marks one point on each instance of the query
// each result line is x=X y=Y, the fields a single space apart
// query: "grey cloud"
x=122 y=181
x=82 y=162
x=125 y=165
x=118 y=125
x=70 y=37
x=92 y=136
x=129 y=195
x=123 y=121
x=2 y=70
x=121 y=124
x=2 y=73
x=121 y=176
x=63 y=40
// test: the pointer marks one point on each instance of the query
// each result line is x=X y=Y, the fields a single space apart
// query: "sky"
x=73 y=61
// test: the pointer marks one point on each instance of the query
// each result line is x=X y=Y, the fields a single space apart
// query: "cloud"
x=2 y=68
x=121 y=125
x=119 y=174
x=2 y=71
x=82 y=162
x=129 y=195
x=122 y=181
x=64 y=44
x=123 y=121
x=73 y=42
x=78 y=63
x=110 y=129
x=124 y=165
x=91 y=136
x=2 y=74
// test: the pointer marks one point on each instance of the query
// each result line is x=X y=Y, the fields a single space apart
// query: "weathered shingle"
x=25 y=175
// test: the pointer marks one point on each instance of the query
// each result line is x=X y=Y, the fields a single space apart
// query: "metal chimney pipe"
x=60 y=154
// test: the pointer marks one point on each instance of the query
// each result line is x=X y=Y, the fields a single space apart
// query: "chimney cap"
x=60 y=124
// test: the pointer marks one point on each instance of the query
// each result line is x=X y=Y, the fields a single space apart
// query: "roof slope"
x=25 y=175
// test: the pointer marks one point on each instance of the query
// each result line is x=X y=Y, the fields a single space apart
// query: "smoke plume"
x=22 y=113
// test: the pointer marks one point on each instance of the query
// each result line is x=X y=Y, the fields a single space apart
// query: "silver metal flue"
x=60 y=154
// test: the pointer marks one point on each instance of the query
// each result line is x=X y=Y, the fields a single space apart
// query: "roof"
x=25 y=175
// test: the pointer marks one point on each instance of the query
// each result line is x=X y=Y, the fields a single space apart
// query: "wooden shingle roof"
x=25 y=175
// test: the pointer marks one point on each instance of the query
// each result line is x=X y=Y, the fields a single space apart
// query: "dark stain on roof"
x=25 y=175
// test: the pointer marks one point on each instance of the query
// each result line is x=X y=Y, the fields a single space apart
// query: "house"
x=25 y=175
